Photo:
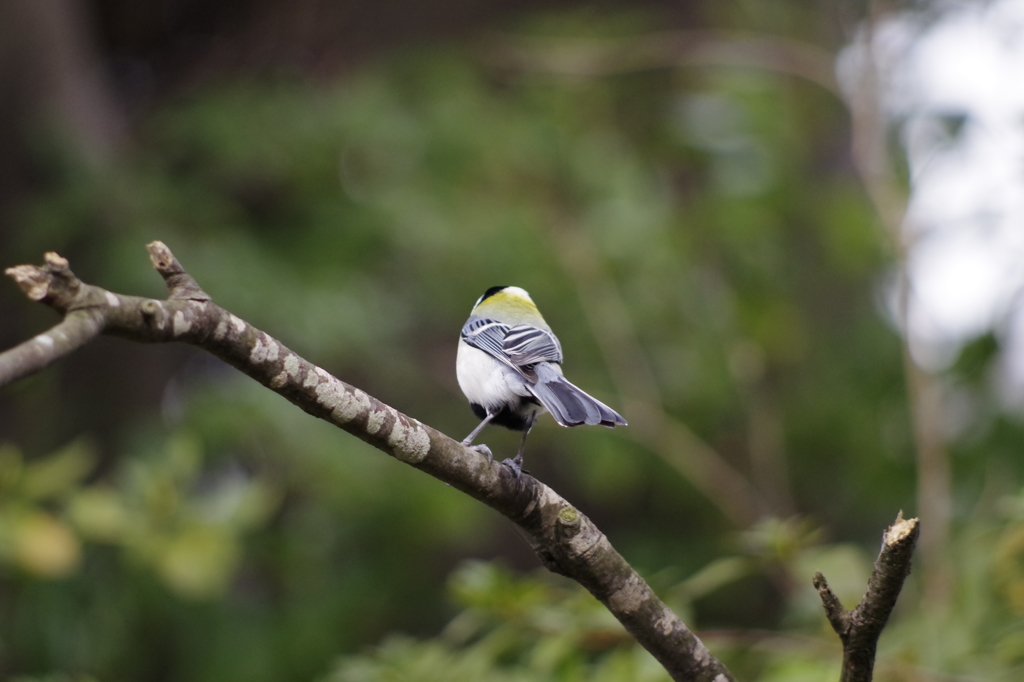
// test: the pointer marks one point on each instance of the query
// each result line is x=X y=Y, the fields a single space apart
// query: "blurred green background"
x=350 y=183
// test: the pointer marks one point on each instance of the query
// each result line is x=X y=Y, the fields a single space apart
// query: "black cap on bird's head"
x=492 y=291
x=507 y=292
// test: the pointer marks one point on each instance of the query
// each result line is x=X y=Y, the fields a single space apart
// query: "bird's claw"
x=516 y=465
x=483 y=450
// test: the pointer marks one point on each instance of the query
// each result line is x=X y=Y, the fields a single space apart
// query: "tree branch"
x=565 y=540
x=669 y=49
x=860 y=628
x=54 y=284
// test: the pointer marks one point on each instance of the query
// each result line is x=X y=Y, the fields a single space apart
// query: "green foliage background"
x=700 y=243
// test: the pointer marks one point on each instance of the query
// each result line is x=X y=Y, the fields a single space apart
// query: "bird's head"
x=507 y=304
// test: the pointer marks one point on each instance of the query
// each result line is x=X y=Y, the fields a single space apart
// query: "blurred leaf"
x=11 y=466
x=198 y=562
x=400 y=659
x=1010 y=648
x=58 y=473
x=780 y=539
x=240 y=503
x=714 y=576
x=45 y=546
x=1008 y=566
x=799 y=671
x=184 y=455
x=99 y=514
x=492 y=587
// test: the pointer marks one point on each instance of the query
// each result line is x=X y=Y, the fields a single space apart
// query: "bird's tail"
x=568 y=404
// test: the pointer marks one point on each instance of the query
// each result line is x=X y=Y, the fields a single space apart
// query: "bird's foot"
x=483 y=450
x=516 y=465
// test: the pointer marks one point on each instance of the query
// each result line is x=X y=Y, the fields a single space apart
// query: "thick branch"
x=566 y=541
x=860 y=628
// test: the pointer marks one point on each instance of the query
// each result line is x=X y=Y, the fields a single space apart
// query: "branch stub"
x=900 y=530
x=32 y=280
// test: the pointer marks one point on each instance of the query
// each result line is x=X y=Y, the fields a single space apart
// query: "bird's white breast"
x=484 y=380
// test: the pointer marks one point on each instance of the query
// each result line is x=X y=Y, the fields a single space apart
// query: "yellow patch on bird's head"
x=508 y=304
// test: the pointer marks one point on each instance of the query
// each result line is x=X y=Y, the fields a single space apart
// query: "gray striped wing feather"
x=489 y=336
x=528 y=345
x=527 y=349
x=519 y=347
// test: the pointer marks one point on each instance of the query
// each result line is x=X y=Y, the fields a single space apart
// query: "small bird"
x=509 y=367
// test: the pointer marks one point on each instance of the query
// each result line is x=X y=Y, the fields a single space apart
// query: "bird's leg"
x=516 y=463
x=482 y=449
x=469 y=439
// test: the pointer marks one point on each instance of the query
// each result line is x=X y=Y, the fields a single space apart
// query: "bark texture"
x=860 y=628
x=565 y=540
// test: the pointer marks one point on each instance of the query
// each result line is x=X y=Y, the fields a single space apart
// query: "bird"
x=509 y=366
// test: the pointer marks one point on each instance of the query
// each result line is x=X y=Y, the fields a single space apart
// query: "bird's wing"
x=527 y=345
x=488 y=336
x=524 y=348
x=519 y=347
